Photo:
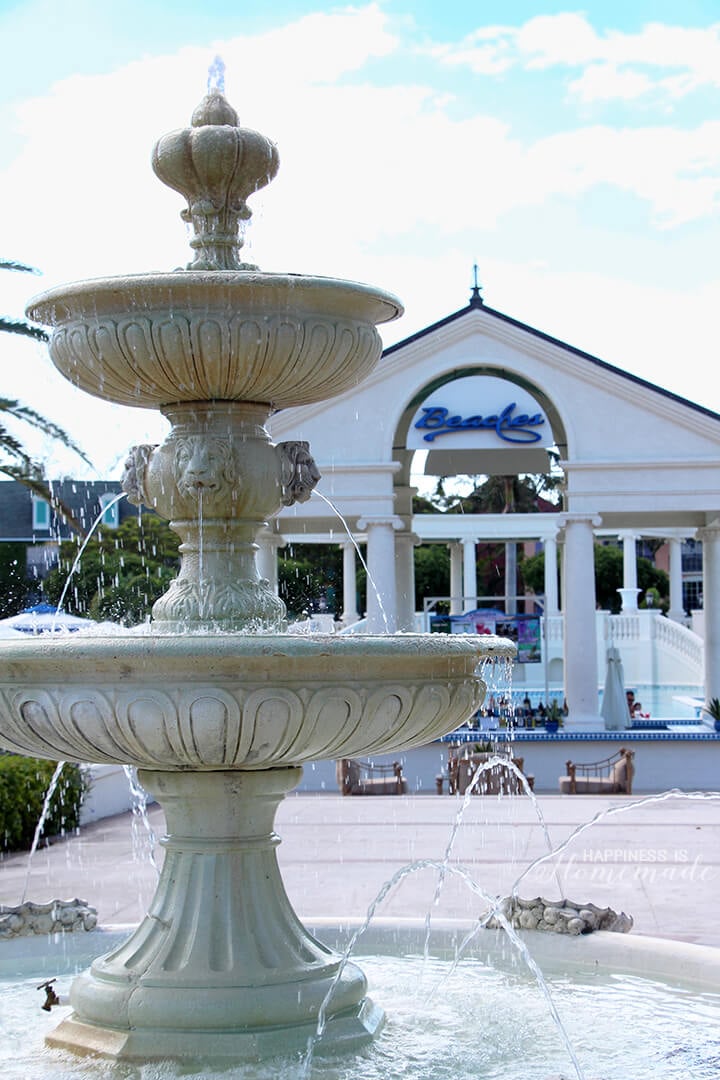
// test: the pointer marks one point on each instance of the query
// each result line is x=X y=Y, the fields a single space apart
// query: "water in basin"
x=483 y=1019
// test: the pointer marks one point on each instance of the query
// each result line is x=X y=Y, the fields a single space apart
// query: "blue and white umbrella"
x=44 y=619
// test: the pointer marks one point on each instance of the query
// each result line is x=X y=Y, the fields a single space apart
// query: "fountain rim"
x=688 y=964
x=95 y=297
x=426 y=655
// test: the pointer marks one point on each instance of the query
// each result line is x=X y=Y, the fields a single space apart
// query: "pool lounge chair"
x=611 y=776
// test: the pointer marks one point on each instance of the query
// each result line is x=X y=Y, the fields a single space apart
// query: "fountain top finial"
x=216 y=165
x=214 y=111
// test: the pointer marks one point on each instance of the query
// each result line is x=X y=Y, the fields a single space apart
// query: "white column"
x=381 y=586
x=676 y=612
x=405 y=543
x=629 y=591
x=710 y=537
x=511 y=586
x=266 y=557
x=469 y=576
x=456 y=577
x=551 y=576
x=349 y=613
x=581 y=666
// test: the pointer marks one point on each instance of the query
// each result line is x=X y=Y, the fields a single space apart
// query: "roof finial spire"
x=476 y=299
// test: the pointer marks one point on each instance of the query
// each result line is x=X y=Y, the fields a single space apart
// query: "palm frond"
x=41 y=423
x=19 y=326
x=18 y=464
x=13 y=264
x=11 y=446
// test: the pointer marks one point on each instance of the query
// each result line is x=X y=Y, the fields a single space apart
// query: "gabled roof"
x=477 y=304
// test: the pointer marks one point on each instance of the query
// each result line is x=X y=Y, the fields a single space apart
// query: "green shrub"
x=23 y=783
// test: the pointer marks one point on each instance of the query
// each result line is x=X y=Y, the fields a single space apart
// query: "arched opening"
x=493 y=440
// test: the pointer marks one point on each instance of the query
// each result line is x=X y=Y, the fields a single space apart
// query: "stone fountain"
x=215 y=706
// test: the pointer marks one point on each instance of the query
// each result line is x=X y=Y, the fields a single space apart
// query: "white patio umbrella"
x=9 y=632
x=43 y=619
x=614 y=702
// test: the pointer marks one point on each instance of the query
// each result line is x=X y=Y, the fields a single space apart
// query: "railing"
x=680 y=639
x=623 y=628
x=634 y=628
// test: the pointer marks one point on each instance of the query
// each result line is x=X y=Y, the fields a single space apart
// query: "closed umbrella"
x=614 y=703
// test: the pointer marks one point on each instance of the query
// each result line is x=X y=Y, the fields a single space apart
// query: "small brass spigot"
x=51 y=997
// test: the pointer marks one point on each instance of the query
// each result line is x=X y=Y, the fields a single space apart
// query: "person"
x=630 y=698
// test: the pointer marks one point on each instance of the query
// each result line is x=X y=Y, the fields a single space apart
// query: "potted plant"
x=553 y=717
x=713 y=711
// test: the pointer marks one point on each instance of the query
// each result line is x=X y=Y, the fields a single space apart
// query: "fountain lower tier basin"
x=633 y=1007
x=201 y=702
x=150 y=340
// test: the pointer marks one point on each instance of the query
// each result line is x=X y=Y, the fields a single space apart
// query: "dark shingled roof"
x=82 y=497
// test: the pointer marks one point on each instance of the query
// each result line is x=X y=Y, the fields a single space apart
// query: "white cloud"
x=659 y=59
x=605 y=82
x=549 y=40
x=486 y=51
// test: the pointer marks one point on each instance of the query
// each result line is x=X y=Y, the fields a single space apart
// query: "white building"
x=487 y=394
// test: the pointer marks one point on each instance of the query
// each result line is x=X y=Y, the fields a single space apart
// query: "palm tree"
x=15 y=461
x=20 y=326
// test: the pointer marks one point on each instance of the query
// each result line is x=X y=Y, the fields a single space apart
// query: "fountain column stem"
x=218 y=479
x=221 y=954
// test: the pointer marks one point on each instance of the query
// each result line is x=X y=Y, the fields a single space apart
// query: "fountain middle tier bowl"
x=150 y=340
x=235 y=701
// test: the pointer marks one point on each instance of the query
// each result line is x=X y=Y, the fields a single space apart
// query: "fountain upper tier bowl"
x=233 y=701
x=150 y=340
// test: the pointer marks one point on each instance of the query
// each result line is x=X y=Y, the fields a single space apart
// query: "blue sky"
x=574 y=153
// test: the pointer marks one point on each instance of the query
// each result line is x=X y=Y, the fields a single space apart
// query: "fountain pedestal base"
x=221 y=966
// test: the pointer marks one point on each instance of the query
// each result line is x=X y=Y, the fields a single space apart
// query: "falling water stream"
x=201 y=554
x=47 y=801
x=612 y=811
x=442 y=868
x=355 y=544
x=144 y=836
x=86 y=541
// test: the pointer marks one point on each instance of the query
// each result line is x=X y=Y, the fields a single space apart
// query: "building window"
x=40 y=514
x=110 y=510
x=692 y=594
x=692 y=557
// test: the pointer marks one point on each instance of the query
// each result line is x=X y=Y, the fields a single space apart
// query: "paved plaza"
x=659 y=862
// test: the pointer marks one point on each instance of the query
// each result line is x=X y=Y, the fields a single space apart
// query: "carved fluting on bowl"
x=154 y=340
x=211 y=727
x=223 y=712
